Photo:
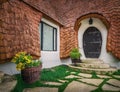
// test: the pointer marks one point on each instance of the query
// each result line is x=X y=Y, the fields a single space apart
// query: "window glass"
x=48 y=37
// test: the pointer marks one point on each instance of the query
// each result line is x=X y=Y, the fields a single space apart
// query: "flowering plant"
x=23 y=60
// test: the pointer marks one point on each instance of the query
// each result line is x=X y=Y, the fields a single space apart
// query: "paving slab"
x=85 y=75
x=103 y=76
x=41 y=89
x=79 y=87
x=73 y=76
x=53 y=83
x=7 y=86
x=73 y=73
x=96 y=61
x=110 y=88
x=94 y=65
x=96 y=82
x=116 y=76
x=98 y=71
x=67 y=71
x=63 y=81
x=114 y=82
x=1 y=76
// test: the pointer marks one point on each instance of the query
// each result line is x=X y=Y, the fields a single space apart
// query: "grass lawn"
x=56 y=74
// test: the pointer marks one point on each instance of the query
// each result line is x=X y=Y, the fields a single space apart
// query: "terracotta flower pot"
x=31 y=74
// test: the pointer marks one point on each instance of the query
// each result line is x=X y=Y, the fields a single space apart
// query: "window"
x=48 y=36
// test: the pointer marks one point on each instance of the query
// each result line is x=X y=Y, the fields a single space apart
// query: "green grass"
x=117 y=72
x=94 y=75
x=54 y=75
x=99 y=89
x=21 y=84
x=50 y=74
x=64 y=85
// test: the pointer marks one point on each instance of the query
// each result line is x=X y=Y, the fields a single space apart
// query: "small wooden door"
x=92 y=42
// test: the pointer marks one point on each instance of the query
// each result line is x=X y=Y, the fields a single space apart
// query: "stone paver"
x=73 y=76
x=67 y=71
x=110 y=88
x=117 y=76
x=79 y=87
x=103 y=76
x=98 y=71
x=114 y=82
x=96 y=82
x=73 y=73
x=41 y=89
x=63 y=81
x=85 y=75
x=1 y=75
x=94 y=65
x=7 y=86
x=53 y=83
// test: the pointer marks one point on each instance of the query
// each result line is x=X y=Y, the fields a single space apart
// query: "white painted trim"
x=52 y=58
x=107 y=57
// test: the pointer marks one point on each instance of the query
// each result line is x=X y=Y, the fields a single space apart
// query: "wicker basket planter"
x=32 y=74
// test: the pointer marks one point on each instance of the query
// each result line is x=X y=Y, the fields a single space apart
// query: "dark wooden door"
x=92 y=42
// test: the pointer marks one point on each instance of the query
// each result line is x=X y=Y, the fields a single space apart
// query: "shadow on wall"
x=9 y=68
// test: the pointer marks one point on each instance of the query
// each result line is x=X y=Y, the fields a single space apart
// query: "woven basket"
x=32 y=74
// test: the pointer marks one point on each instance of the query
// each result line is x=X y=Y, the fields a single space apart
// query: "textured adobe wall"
x=71 y=10
x=68 y=40
x=19 y=25
x=66 y=12
x=45 y=7
x=114 y=32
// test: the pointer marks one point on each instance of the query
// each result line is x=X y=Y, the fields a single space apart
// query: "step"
x=94 y=65
x=97 y=61
x=1 y=76
x=91 y=70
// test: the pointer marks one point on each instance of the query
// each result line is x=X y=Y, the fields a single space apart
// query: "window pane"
x=55 y=39
x=47 y=37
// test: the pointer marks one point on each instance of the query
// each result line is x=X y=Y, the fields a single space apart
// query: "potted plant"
x=75 y=56
x=30 y=69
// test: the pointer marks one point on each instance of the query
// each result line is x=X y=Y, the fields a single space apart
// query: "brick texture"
x=18 y=30
x=69 y=11
x=19 y=24
x=67 y=41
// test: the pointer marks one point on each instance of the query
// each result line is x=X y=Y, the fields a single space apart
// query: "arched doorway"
x=102 y=25
x=92 y=42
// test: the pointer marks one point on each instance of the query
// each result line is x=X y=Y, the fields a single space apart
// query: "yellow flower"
x=19 y=69
x=20 y=66
x=28 y=61
x=25 y=57
x=13 y=60
x=22 y=60
x=17 y=55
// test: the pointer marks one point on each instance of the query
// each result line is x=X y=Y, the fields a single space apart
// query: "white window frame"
x=55 y=26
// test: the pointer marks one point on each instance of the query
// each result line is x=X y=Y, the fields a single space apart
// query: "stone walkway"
x=7 y=82
x=83 y=83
